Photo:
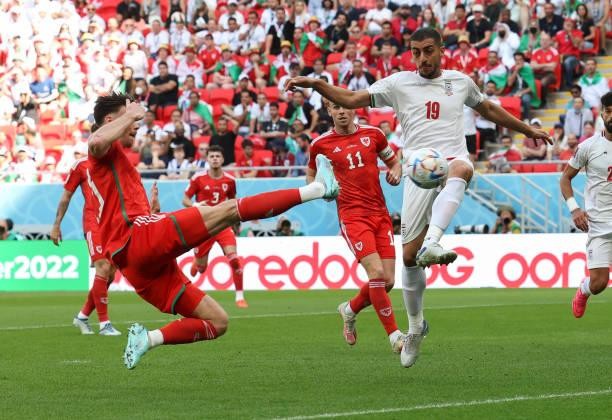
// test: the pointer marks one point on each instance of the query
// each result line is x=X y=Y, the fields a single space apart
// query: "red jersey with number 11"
x=211 y=191
x=354 y=158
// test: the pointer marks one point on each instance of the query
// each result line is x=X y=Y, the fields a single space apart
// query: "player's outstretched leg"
x=207 y=322
x=592 y=285
x=444 y=208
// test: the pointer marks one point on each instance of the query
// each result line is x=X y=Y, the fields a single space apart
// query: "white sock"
x=348 y=310
x=444 y=208
x=239 y=295
x=156 y=338
x=82 y=316
x=413 y=288
x=585 y=287
x=312 y=191
x=394 y=336
x=103 y=324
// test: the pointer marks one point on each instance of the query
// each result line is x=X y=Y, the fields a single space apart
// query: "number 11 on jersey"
x=358 y=158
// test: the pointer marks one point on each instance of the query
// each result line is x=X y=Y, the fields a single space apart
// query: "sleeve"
x=580 y=158
x=232 y=190
x=73 y=180
x=311 y=158
x=382 y=92
x=474 y=96
x=191 y=189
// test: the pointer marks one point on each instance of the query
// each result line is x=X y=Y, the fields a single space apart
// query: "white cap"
x=535 y=121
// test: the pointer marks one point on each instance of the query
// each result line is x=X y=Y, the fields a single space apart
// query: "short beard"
x=608 y=126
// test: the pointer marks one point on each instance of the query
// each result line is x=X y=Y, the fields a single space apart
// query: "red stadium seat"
x=272 y=93
x=511 y=104
x=201 y=139
x=282 y=108
x=221 y=96
x=10 y=132
x=334 y=58
x=596 y=42
x=53 y=135
x=538 y=84
x=482 y=57
x=545 y=167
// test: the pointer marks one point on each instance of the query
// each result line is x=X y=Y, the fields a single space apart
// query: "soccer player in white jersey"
x=595 y=156
x=429 y=104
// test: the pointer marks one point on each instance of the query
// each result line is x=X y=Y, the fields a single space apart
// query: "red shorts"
x=366 y=235
x=224 y=238
x=148 y=261
x=94 y=245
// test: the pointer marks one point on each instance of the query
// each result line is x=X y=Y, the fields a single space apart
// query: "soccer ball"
x=427 y=168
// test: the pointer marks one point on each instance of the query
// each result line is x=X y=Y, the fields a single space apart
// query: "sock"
x=382 y=305
x=156 y=338
x=262 y=206
x=394 y=336
x=444 y=208
x=360 y=301
x=82 y=315
x=585 y=286
x=236 y=265
x=413 y=285
x=186 y=330
x=100 y=297
x=88 y=306
x=312 y=191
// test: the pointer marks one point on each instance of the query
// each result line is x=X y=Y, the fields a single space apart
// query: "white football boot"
x=412 y=346
x=432 y=253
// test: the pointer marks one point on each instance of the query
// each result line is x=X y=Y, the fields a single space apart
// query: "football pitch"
x=490 y=354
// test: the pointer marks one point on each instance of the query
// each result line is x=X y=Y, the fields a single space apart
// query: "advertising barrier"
x=308 y=263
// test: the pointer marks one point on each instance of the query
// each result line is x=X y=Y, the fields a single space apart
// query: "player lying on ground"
x=595 y=156
x=429 y=105
x=211 y=188
x=144 y=246
x=364 y=219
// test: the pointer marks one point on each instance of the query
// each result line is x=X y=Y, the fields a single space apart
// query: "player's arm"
x=394 y=175
x=106 y=135
x=343 y=97
x=500 y=116
x=62 y=207
x=579 y=216
x=154 y=201
x=187 y=200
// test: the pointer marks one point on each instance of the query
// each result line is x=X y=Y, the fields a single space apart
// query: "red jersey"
x=457 y=24
x=406 y=63
x=541 y=56
x=253 y=161
x=565 y=44
x=465 y=64
x=355 y=161
x=77 y=177
x=384 y=67
x=209 y=57
x=119 y=197
x=211 y=191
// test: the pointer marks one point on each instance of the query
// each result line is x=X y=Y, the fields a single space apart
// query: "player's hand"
x=394 y=175
x=300 y=81
x=155 y=206
x=56 y=235
x=580 y=219
x=134 y=110
x=536 y=133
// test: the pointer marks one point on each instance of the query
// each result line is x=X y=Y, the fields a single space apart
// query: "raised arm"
x=579 y=216
x=62 y=206
x=498 y=115
x=343 y=97
x=105 y=136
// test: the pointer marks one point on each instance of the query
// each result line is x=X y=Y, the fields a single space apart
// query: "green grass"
x=484 y=345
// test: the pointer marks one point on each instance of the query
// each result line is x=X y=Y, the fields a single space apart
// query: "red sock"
x=89 y=305
x=382 y=304
x=262 y=206
x=362 y=299
x=188 y=330
x=236 y=265
x=100 y=297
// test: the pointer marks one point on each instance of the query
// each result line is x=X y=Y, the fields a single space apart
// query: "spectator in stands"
x=499 y=162
x=6 y=165
x=136 y=60
x=486 y=128
x=494 y=71
x=576 y=117
x=284 y=228
x=465 y=58
x=231 y=36
x=148 y=127
x=179 y=137
x=188 y=65
x=201 y=163
x=260 y=113
x=386 y=61
x=175 y=118
x=187 y=88
x=226 y=139
x=268 y=16
x=26 y=107
x=428 y=20
x=444 y=10
x=180 y=37
x=163 y=89
x=521 y=81
x=386 y=35
x=600 y=12
x=392 y=137
x=128 y=9
x=456 y=28
x=281 y=30
x=505 y=18
x=576 y=92
x=90 y=17
x=252 y=35
x=534 y=149
x=586 y=25
x=243 y=86
x=302 y=154
x=558 y=135
x=374 y=18
x=7 y=226
x=298 y=109
x=43 y=88
x=163 y=56
x=209 y=56
x=530 y=40
x=593 y=84
x=154 y=155
x=326 y=13
x=544 y=61
x=506 y=221
x=302 y=17
x=282 y=157
x=551 y=23
x=493 y=10
x=177 y=167
x=479 y=28
x=360 y=79
x=250 y=160
x=318 y=73
x=353 y=14
x=568 y=42
x=240 y=114
x=295 y=130
x=275 y=130
x=572 y=145
x=256 y=70
x=588 y=130
x=470 y=132
x=156 y=38
x=337 y=34
x=25 y=167
x=132 y=32
x=506 y=43
x=198 y=114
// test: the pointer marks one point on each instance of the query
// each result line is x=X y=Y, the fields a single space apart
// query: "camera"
x=472 y=229
x=506 y=220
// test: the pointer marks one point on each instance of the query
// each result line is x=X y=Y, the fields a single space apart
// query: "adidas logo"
x=207 y=187
x=337 y=149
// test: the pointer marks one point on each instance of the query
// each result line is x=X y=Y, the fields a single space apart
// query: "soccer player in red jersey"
x=364 y=219
x=144 y=246
x=211 y=188
x=97 y=297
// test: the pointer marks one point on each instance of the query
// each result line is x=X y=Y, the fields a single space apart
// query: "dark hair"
x=247 y=143
x=193 y=92
x=9 y=224
x=162 y=63
x=294 y=66
x=506 y=208
x=427 y=33
x=305 y=137
x=505 y=136
x=386 y=44
x=215 y=148
x=342 y=14
x=285 y=223
x=109 y=104
x=460 y=6
x=519 y=54
x=606 y=100
x=273 y=104
x=232 y=18
x=590 y=58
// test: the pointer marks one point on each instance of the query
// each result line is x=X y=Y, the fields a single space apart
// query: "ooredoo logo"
x=533 y=268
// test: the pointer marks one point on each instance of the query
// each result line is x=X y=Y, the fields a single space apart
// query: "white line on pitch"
x=298 y=314
x=456 y=404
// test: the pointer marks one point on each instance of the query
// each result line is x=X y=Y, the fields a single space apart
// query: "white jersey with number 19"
x=430 y=111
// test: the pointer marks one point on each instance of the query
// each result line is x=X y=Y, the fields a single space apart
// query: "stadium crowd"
x=212 y=74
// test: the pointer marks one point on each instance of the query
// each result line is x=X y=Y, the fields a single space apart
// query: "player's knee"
x=376 y=273
x=389 y=283
x=104 y=269
x=220 y=323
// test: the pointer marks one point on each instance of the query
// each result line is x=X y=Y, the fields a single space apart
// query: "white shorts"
x=599 y=252
x=416 y=206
